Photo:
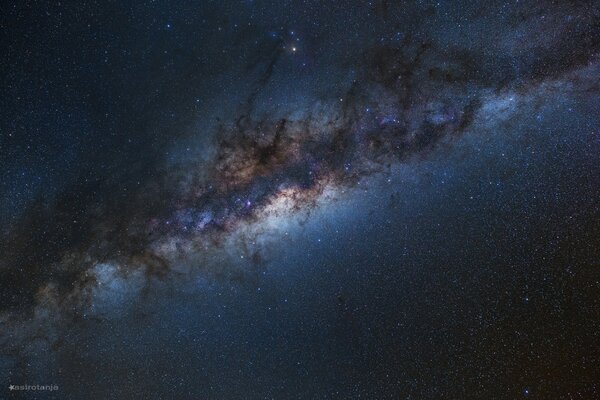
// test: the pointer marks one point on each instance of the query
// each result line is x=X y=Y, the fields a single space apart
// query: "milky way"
x=213 y=196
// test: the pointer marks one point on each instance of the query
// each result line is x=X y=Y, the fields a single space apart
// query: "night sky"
x=300 y=199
